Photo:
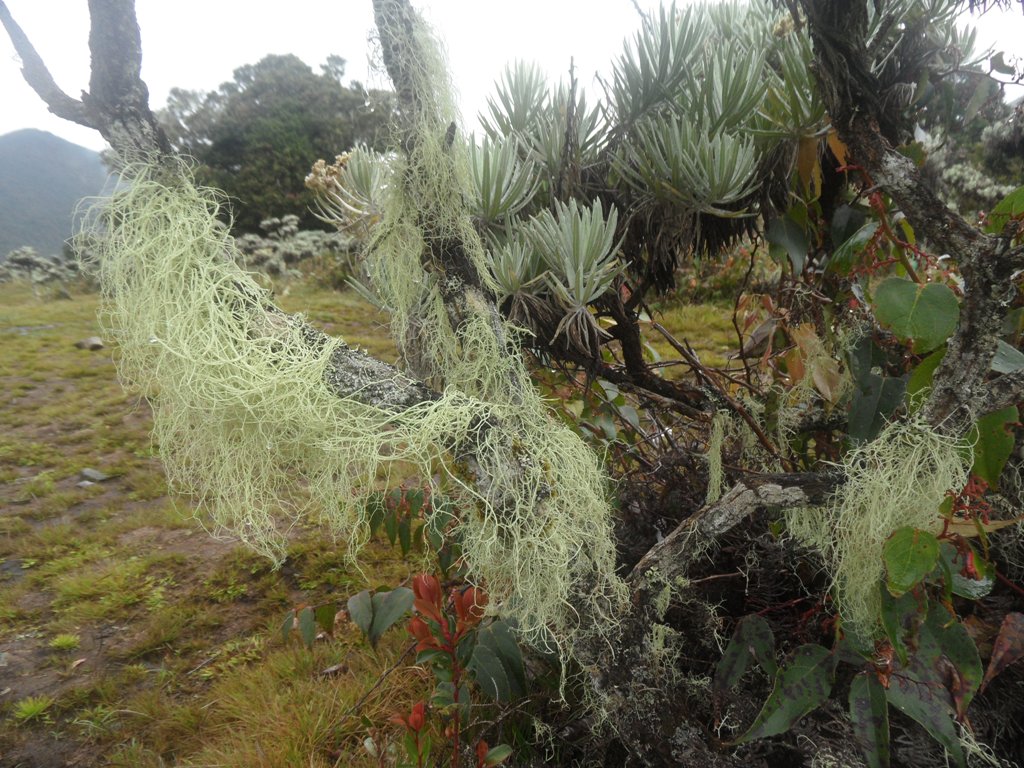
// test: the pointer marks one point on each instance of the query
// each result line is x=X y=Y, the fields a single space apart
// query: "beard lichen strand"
x=898 y=479
x=249 y=421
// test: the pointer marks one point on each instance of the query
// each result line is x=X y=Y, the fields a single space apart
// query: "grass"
x=66 y=641
x=155 y=644
x=31 y=708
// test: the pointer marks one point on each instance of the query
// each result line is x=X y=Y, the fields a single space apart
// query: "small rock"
x=92 y=343
x=85 y=484
x=94 y=475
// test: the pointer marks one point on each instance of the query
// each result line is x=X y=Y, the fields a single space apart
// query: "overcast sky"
x=196 y=45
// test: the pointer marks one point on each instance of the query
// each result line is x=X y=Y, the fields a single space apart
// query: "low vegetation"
x=125 y=630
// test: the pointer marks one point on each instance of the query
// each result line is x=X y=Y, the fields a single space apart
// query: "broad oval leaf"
x=926 y=314
x=498 y=637
x=952 y=657
x=324 y=616
x=787 y=235
x=388 y=607
x=925 y=703
x=922 y=376
x=869 y=713
x=1010 y=207
x=993 y=443
x=800 y=686
x=1007 y=359
x=753 y=638
x=910 y=554
x=307 y=626
x=490 y=673
x=360 y=610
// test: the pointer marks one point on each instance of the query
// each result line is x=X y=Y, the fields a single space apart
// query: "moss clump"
x=899 y=479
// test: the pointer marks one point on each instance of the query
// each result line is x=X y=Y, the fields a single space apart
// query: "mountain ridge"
x=42 y=179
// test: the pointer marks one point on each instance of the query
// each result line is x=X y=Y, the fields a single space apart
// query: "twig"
x=380 y=681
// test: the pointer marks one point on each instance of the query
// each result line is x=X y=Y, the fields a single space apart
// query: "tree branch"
x=38 y=76
x=117 y=104
x=854 y=98
x=672 y=556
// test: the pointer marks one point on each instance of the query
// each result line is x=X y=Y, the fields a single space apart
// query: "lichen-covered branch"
x=857 y=102
x=672 y=556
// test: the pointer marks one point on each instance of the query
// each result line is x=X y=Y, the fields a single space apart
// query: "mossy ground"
x=179 y=659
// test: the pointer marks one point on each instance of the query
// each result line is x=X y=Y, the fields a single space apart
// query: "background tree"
x=256 y=136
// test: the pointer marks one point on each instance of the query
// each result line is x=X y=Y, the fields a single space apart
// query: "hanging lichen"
x=247 y=423
x=897 y=480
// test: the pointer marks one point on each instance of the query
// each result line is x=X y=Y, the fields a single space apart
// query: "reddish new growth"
x=969 y=503
x=439 y=627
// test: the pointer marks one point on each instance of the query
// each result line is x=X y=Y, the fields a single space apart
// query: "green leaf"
x=965 y=586
x=307 y=626
x=875 y=398
x=388 y=607
x=286 y=627
x=914 y=151
x=324 y=616
x=1010 y=207
x=869 y=713
x=921 y=377
x=444 y=695
x=789 y=237
x=844 y=257
x=376 y=510
x=490 y=673
x=497 y=755
x=993 y=444
x=499 y=638
x=846 y=221
x=910 y=555
x=956 y=645
x=1013 y=323
x=405 y=534
x=901 y=617
x=753 y=638
x=1007 y=359
x=360 y=610
x=926 y=314
x=925 y=702
x=999 y=65
x=800 y=686
x=391 y=525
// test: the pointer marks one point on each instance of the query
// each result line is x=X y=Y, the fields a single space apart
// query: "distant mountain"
x=42 y=178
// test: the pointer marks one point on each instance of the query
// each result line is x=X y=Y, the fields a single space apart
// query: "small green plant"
x=32 y=708
x=65 y=642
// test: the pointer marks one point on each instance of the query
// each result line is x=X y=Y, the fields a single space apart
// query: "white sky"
x=196 y=45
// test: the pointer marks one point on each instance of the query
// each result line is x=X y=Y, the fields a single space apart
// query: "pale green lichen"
x=897 y=480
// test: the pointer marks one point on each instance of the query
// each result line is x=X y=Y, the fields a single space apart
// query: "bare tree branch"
x=38 y=76
x=117 y=104
x=672 y=556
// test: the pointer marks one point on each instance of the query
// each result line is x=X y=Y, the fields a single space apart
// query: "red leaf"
x=419 y=629
x=417 y=717
x=470 y=604
x=427 y=587
x=481 y=753
x=1008 y=647
x=427 y=590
